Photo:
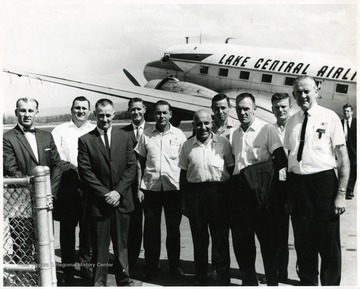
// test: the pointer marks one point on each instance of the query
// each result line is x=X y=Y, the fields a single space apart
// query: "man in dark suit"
x=107 y=167
x=349 y=125
x=24 y=148
x=136 y=110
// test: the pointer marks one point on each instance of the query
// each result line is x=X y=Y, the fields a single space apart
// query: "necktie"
x=137 y=133
x=302 y=137
x=107 y=142
x=32 y=130
x=347 y=130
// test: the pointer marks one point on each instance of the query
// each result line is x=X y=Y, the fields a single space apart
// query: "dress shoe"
x=67 y=280
x=177 y=272
x=262 y=280
x=149 y=274
x=349 y=195
x=86 y=273
x=126 y=283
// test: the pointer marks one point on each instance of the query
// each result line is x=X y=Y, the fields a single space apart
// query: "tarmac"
x=350 y=274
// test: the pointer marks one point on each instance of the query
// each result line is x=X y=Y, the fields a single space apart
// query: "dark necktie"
x=137 y=133
x=348 y=129
x=32 y=130
x=107 y=146
x=302 y=137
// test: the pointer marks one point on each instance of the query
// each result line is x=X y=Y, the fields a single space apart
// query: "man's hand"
x=140 y=196
x=113 y=198
x=340 y=203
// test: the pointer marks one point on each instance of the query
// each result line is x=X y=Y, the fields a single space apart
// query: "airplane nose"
x=160 y=70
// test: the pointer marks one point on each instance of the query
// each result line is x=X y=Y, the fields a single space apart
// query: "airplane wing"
x=186 y=104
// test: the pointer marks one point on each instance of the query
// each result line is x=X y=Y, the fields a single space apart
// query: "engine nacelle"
x=173 y=84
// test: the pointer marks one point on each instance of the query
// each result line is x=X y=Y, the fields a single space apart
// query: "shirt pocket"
x=254 y=155
x=321 y=136
x=217 y=159
x=173 y=151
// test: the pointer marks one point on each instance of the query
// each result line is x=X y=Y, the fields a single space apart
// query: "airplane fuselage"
x=233 y=69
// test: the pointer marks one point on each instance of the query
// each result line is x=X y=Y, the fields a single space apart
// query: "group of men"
x=246 y=179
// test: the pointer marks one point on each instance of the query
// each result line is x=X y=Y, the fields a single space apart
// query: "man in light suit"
x=349 y=125
x=24 y=148
x=136 y=110
x=107 y=167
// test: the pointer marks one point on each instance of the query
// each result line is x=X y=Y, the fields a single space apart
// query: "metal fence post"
x=42 y=227
x=51 y=226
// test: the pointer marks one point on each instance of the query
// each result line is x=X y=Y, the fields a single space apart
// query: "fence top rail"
x=16 y=181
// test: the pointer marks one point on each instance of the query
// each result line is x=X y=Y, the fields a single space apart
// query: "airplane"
x=233 y=69
x=189 y=75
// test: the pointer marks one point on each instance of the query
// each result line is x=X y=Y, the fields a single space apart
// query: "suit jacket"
x=101 y=174
x=130 y=130
x=351 y=143
x=20 y=161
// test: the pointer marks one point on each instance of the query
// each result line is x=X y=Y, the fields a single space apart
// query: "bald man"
x=206 y=163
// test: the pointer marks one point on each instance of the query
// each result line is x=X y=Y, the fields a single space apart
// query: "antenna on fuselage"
x=187 y=39
x=227 y=39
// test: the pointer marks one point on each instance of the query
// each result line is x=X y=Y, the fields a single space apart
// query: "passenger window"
x=342 y=88
x=289 y=81
x=266 y=78
x=244 y=75
x=204 y=69
x=223 y=72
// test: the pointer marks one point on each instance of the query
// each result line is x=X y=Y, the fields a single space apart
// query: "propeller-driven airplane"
x=189 y=75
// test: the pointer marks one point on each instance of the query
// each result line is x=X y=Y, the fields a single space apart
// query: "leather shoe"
x=349 y=195
x=151 y=274
x=86 y=273
x=177 y=272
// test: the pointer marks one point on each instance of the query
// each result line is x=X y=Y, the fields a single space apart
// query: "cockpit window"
x=166 y=58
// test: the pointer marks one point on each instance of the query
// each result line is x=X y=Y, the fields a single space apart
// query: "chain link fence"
x=26 y=215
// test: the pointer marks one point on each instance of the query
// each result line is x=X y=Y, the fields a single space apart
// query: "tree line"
x=12 y=119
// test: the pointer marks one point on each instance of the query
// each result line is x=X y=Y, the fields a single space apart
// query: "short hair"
x=243 y=95
x=104 y=102
x=301 y=77
x=163 y=102
x=135 y=99
x=348 y=106
x=80 y=98
x=27 y=99
x=218 y=97
x=280 y=96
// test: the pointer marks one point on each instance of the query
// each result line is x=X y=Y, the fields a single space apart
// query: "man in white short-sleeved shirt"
x=159 y=148
x=314 y=136
x=281 y=106
x=254 y=142
x=206 y=162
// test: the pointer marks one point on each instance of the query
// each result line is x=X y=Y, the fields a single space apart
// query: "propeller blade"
x=131 y=78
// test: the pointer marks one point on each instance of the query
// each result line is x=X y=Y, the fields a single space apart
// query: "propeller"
x=131 y=78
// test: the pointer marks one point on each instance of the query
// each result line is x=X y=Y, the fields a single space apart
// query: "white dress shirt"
x=66 y=139
x=255 y=145
x=32 y=141
x=208 y=161
x=323 y=132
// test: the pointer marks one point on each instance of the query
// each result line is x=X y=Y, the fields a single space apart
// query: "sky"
x=93 y=41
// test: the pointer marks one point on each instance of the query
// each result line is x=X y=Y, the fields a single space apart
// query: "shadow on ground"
x=163 y=278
